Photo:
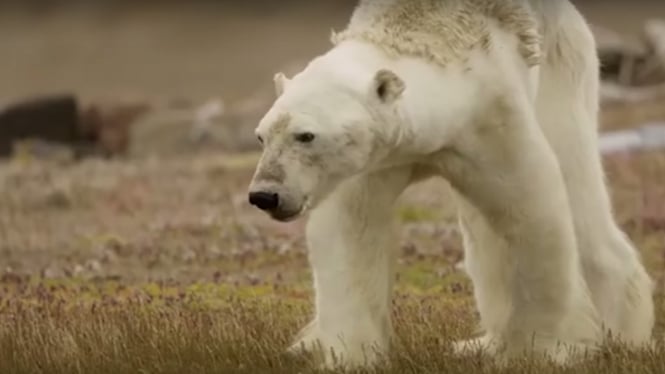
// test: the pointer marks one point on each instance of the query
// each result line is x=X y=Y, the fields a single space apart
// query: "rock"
x=214 y=252
x=52 y=272
x=188 y=256
x=50 y=118
x=93 y=266
x=108 y=256
x=109 y=124
x=77 y=270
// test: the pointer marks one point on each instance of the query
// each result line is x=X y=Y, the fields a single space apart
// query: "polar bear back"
x=443 y=31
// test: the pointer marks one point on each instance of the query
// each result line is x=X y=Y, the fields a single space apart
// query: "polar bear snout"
x=276 y=201
x=265 y=201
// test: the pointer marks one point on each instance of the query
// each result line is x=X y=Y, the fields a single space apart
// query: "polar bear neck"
x=442 y=31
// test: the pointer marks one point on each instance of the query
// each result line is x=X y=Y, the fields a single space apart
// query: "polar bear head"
x=327 y=124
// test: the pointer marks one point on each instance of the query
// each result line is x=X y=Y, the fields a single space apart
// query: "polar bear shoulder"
x=443 y=31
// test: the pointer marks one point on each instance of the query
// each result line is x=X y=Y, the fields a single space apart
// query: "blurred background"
x=129 y=54
x=194 y=49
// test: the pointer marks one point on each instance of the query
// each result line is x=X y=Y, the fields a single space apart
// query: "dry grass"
x=140 y=267
x=175 y=329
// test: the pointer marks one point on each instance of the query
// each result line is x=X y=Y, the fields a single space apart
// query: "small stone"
x=93 y=266
x=285 y=248
x=456 y=287
x=214 y=251
x=442 y=272
x=409 y=249
x=52 y=272
x=188 y=256
x=78 y=270
x=108 y=257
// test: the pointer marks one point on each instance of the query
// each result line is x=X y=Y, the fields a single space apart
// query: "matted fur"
x=442 y=31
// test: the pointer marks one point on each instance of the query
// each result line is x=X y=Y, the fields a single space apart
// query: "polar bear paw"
x=485 y=344
x=330 y=352
x=502 y=352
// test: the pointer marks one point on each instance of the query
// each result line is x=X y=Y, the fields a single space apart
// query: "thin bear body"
x=500 y=98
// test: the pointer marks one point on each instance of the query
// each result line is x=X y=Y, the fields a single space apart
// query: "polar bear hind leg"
x=567 y=110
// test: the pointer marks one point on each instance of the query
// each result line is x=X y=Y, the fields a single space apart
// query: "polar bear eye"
x=260 y=139
x=305 y=137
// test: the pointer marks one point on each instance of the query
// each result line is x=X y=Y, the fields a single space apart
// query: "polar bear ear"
x=387 y=86
x=281 y=81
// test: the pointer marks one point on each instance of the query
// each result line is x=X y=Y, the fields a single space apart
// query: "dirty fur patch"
x=442 y=31
x=281 y=123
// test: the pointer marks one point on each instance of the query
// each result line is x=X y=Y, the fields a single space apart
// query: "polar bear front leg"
x=523 y=257
x=352 y=245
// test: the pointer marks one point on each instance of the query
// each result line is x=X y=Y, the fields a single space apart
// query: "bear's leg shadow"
x=352 y=242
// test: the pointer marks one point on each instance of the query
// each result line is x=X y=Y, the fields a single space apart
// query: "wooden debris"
x=654 y=36
x=53 y=118
x=633 y=75
x=632 y=63
x=619 y=57
x=46 y=123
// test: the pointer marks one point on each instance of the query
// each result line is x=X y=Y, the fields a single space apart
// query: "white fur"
x=518 y=143
x=281 y=82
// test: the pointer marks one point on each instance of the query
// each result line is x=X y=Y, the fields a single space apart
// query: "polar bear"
x=500 y=98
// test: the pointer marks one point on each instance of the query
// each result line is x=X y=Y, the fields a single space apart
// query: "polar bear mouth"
x=290 y=215
x=283 y=216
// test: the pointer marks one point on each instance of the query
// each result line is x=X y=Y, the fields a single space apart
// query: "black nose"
x=264 y=200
